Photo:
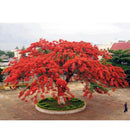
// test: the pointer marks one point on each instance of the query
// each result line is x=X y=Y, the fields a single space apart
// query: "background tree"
x=16 y=47
x=121 y=58
x=10 y=54
x=2 y=52
x=48 y=61
x=23 y=48
x=1 y=76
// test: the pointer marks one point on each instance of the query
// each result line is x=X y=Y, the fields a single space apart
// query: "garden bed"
x=50 y=106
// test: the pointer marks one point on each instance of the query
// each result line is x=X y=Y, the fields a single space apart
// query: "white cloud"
x=12 y=35
x=87 y=28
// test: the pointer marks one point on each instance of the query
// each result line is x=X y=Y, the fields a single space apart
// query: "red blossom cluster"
x=46 y=62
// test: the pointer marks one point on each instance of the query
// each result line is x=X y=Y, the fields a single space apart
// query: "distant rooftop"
x=121 y=45
x=4 y=57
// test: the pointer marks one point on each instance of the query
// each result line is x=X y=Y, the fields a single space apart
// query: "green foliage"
x=2 y=52
x=44 y=51
x=16 y=47
x=121 y=58
x=51 y=104
x=22 y=86
x=10 y=54
x=23 y=48
x=0 y=60
x=94 y=85
x=1 y=76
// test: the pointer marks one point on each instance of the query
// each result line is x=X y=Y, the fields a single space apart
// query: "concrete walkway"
x=100 y=107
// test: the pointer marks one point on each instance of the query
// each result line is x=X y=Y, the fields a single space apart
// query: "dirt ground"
x=100 y=107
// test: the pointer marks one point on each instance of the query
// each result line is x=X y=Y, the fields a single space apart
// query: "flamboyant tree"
x=46 y=62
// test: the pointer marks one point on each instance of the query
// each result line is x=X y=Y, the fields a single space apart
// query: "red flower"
x=47 y=62
x=35 y=101
x=113 y=89
x=21 y=93
x=90 y=96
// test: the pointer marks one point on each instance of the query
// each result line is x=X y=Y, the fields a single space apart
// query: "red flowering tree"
x=48 y=61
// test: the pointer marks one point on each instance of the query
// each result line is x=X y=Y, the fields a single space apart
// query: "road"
x=100 y=107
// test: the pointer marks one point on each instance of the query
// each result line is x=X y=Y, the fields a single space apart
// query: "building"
x=121 y=45
x=5 y=61
x=104 y=46
x=16 y=53
x=4 y=58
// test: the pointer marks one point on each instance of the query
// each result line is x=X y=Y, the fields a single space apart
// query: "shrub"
x=51 y=104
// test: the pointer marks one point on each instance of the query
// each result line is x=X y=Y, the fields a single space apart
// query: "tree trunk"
x=61 y=89
x=67 y=80
x=60 y=93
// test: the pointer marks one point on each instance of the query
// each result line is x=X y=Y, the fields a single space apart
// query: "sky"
x=98 y=22
x=23 y=34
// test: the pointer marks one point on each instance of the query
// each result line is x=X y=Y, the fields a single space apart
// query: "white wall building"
x=105 y=46
x=16 y=53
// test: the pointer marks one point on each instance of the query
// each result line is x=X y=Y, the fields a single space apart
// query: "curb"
x=60 y=112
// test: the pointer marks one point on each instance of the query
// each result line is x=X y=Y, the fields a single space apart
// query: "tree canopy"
x=1 y=76
x=121 y=58
x=8 y=53
x=2 y=52
x=47 y=61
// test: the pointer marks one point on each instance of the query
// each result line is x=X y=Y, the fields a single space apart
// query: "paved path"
x=101 y=107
